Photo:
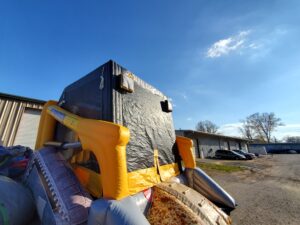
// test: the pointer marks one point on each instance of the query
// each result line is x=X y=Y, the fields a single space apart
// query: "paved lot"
x=268 y=193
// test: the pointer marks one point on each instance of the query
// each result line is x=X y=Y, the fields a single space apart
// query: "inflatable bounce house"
x=107 y=153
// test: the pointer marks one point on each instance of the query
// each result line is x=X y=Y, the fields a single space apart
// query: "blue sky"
x=217 y=60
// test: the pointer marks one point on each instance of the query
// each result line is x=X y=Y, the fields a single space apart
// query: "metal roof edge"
x=215 y=135
x=21 y=98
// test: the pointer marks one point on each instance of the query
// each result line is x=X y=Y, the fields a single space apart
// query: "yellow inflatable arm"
x=106 y=140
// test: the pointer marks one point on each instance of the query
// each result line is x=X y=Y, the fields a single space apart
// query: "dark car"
x=246 y=154
x=227 y=154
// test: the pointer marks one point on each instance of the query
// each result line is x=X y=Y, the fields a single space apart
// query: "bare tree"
x=246 y=130
x=207 y=126
x=262 y=125
x=275 y=140
x=292 y=139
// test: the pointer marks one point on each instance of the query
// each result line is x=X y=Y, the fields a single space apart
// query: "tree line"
x=260 y=126
x=257 y=127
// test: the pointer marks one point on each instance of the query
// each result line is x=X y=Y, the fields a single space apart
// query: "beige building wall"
x=12 y=110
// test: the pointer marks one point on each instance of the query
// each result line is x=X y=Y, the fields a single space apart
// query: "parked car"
x=227 y=154
x=248 y=155
x=291 y=152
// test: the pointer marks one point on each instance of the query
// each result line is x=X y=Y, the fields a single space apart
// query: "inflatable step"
x=59 y=197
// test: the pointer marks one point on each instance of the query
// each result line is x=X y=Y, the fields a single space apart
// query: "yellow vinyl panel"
x=108 y=143
x=46 y=126
x=168 y=171
x=89 y=179
x=142 y=179
x=185 y=147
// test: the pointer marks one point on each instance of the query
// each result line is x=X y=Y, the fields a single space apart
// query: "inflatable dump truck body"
x=114 y=94
x=129 y=152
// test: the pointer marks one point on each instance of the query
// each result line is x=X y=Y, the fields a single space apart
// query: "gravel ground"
x=267 y=193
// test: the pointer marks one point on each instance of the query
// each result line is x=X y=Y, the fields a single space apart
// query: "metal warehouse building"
x=205 y=144
x=19 y=120
x=278 y=147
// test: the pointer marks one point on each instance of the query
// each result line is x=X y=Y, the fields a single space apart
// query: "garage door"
x=28 y=127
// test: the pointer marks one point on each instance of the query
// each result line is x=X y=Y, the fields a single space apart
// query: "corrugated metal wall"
x=195 y=149
x=234 y=145
x=244 y=146
x=10 y=115
x=278 y=147
x=208 y=145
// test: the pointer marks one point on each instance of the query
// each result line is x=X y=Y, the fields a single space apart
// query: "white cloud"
x=231 y=129
x=287 y=130
x=225 y=46
x=267 y=41
x=259 y=44
x=189 y=119
x=254 y=45
x=172 y=101
x=184 y=96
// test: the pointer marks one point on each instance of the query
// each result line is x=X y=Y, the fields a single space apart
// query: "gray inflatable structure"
x=57 y=194
x=16 y=203
x=53 y=191
x=133 y=210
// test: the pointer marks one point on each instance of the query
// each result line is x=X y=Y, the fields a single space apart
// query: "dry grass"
x=219 y=167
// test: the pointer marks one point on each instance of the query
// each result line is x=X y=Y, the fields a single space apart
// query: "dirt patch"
x=268 y=192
